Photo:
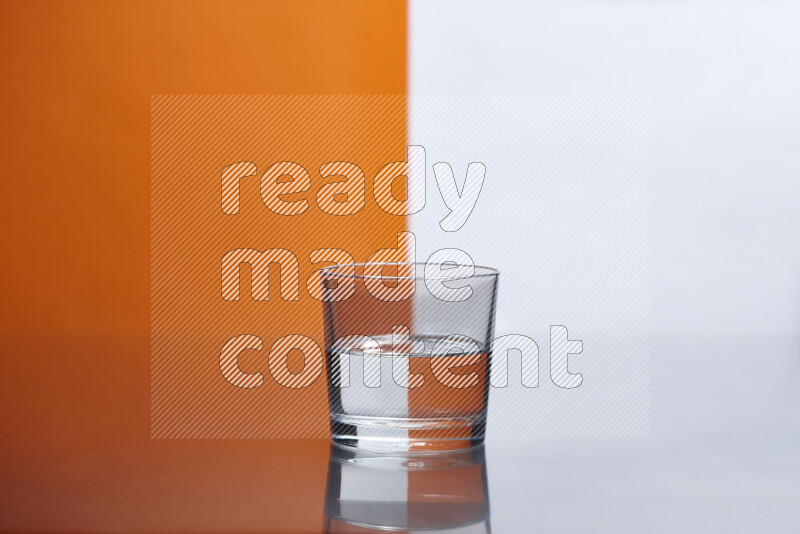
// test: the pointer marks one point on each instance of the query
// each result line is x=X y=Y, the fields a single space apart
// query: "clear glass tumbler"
x=408 y=354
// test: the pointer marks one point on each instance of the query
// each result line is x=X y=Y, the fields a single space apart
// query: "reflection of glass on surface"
x=430 y=491
x=410 y=373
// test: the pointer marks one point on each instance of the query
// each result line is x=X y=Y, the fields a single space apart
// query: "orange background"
x=78 y=78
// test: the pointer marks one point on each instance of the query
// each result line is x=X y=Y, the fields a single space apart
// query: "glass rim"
x=480 y=271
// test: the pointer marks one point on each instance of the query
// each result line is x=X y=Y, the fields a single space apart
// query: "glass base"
x=407 y=434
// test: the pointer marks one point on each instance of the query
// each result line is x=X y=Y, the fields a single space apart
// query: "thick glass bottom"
x=407 y=434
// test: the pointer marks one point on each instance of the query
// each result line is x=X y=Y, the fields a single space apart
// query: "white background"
x=723 y=82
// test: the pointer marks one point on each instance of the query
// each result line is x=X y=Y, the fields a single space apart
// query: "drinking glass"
x=408 y=353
